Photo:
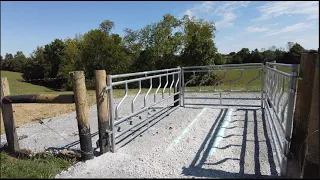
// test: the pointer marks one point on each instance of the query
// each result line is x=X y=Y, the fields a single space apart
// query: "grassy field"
x=44 y=167
x=12 y=167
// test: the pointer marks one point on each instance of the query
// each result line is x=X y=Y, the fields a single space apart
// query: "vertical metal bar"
x=124 y=97
x=145 y=97
x=182 y=84
x=134 y=99
x=155 y=93
x=282 y=91
x=220 y=98
x=262 y=84
x=276 y=88
x=171 y=85
x=177 y=89
x=165 y=86
x=111 y=113
x=180 y=87
x=288 y=125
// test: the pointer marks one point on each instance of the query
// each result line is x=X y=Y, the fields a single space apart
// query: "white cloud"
x=291 y=28
x=275 y=9
x=227 y=20
x=256 y=29
x=230 y=38
x=260 y=28
x=226 y=10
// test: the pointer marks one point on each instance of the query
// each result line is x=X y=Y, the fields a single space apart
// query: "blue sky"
x=255 y=24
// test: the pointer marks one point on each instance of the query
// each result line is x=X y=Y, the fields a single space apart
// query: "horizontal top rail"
x=222 y=66
x=39 y=98
x=229 y=69
x=142 y=78
x=280 y=72
x=143 y=73
x=279 y=64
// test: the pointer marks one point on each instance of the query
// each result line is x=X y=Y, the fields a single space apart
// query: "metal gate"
x=140 y=111
x=280 y=95
x=276 y=90
x=197 y=84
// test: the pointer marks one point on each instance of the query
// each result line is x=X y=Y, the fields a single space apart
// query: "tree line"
x=168 y=43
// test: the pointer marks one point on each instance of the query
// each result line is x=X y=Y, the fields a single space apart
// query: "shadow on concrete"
x=196 y=167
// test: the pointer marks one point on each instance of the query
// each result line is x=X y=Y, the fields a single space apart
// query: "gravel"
x=191 y=141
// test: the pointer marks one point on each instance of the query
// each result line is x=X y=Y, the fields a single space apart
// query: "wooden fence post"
x=8 y=118
x=302 y=118
x=102 y=107
x=311 y=163
x=82 y=110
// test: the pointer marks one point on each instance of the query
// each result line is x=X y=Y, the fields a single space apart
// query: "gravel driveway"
x=191 y=141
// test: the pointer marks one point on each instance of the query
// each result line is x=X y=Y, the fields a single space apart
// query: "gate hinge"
x=106 y=139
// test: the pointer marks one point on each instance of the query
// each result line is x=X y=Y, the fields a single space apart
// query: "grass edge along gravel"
x=41 y=165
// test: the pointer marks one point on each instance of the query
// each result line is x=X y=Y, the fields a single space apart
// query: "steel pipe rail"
x=221 y=66
x=143 y=78
x=143 y=73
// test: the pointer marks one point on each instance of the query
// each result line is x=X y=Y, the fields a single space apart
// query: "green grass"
x=44 y=167
x=17 y=87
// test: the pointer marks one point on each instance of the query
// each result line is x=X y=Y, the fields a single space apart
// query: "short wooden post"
x=8 y=118
x=102 y=107
x=177 y=89
x=301 y=119
x=82 y=110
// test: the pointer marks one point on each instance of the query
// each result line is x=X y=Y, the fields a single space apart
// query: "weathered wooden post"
x=8 y=118
x=177 y=89
x=82 y=110
x=303 y=116
x=102 y=107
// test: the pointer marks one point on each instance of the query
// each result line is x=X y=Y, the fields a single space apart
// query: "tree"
x=289 y=45
x=158 y=42
x=35 y=66
x=106 y=26
x=269 y=55
x=218 y=59
x=7 y=62
x=101 y=51
x=244 y=54
x=256 y=56
x=18 y=61
x=54 y=54
x=294 y=54
x=199 y=48
x=236 y=59
x=72 y=60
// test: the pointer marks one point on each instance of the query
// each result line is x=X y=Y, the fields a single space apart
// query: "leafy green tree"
x=158 y=42
x=219 y=59
x=7 y=64
x=35 y=66
x=18 y=60
x=244 y=54
x=106 y=26
x=71 y=62
x=236 y=59
x=54 y=54
x=199 y=48
x=101 y=51
x=256 y=56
